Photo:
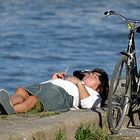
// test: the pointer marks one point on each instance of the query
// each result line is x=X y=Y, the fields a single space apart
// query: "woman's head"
x=104 y=86
x=96 y=79
x=92 y=80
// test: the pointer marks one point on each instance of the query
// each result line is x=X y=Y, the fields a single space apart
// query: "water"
x=40 y=37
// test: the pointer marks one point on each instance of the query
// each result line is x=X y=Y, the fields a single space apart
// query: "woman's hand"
x=59 y=75
x=74 y=80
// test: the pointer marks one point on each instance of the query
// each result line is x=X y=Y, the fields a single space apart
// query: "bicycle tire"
x=119 y=95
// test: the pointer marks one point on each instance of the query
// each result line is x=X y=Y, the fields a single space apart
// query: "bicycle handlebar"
x=108 y=13
x=131 y=23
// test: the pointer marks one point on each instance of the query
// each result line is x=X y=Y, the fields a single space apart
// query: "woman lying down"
x=85 y=89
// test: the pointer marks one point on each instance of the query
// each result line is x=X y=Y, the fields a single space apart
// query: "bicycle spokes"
x=116 y=115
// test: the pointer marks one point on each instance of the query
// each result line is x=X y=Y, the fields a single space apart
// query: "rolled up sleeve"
x=90 y=102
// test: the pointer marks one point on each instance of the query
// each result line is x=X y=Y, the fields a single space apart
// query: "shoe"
x=5 y=105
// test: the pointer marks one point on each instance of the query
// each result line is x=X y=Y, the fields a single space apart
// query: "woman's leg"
x=22 y=101
x=26 y=105
x=19 y=96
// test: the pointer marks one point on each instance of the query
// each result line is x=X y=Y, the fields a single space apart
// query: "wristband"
x=80 y=83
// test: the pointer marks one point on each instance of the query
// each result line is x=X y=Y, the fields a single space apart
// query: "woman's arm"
x=86 y=100
x=83 y=93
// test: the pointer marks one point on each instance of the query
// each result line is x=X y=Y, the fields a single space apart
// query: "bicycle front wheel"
x=119 y=95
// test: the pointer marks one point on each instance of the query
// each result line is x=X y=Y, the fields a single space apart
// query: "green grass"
x=91 y=133
x=86 y=133
x=40 y=114
x=60 y=135
x=29 y=114
x=37 y=111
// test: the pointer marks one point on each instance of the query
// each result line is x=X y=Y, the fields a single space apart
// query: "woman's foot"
x=5 y=104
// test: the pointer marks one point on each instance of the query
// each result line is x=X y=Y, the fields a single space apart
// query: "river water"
x=40 y=37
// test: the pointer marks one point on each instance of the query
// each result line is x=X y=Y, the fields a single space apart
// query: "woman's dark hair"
x=104 y=84
x=80 y=73
x=103 y=78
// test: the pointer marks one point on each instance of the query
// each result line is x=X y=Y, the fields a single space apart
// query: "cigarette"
x=66 y=70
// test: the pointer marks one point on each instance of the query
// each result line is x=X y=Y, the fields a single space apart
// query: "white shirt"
x=93 y=100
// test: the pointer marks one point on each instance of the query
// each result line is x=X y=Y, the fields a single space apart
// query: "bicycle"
x=124 y=91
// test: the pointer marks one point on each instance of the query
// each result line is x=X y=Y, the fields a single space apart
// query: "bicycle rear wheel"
x=134 y=112
x=119 y=95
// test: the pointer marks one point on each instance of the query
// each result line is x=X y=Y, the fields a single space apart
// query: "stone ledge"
x=34 y=128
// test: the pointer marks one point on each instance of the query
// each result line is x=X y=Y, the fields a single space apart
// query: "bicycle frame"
x=135 y=78
x=131 y=54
